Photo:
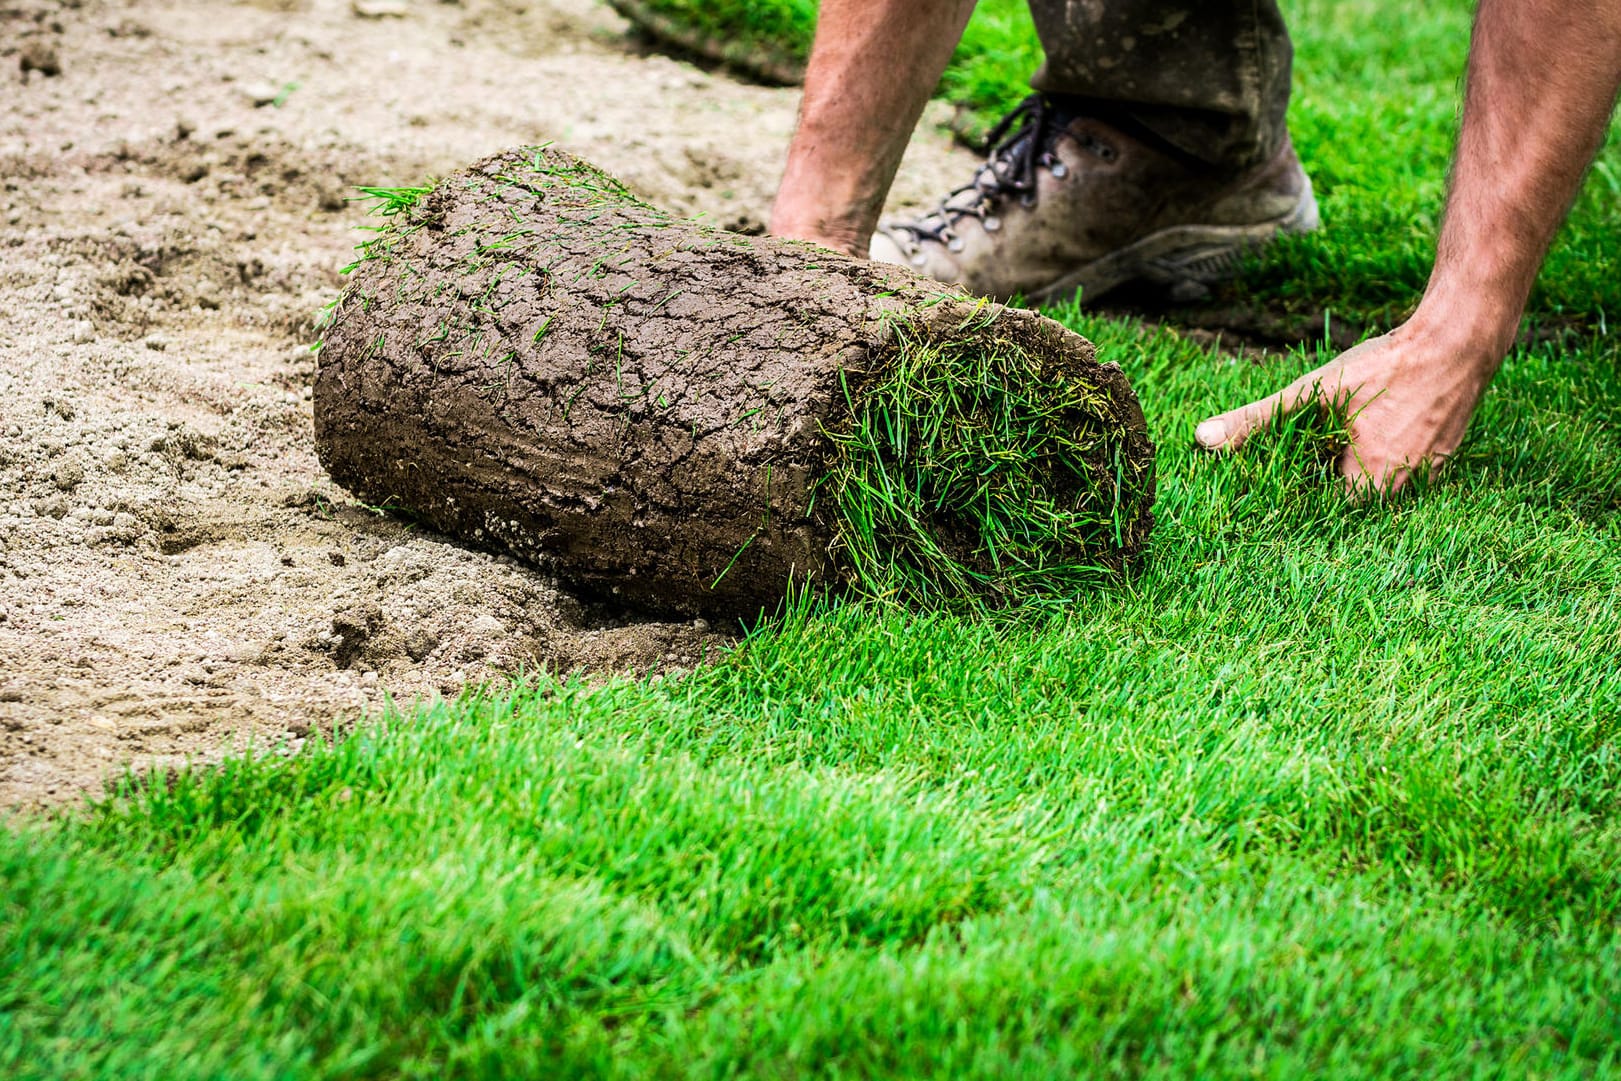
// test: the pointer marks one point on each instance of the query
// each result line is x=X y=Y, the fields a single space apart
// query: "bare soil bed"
x=178 y=577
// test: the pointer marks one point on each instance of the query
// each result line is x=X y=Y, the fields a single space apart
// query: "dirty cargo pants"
x=1209 y=78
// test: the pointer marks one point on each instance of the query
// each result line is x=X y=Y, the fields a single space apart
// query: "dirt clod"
x=40 y=57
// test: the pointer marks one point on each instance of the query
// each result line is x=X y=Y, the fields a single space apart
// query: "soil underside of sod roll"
x=695 y=421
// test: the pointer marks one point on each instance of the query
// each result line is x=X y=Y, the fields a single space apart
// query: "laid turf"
x=1324 y=791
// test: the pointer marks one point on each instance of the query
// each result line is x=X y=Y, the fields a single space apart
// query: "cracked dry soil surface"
x=178 y=577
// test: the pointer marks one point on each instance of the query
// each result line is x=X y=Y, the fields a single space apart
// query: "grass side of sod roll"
x=1325 y=792
x=975 y=470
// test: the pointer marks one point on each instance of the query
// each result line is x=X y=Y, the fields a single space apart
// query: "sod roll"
x=766 y=41
x=693 y=421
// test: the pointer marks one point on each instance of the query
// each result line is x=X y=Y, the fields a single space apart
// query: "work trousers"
x=1209 y=78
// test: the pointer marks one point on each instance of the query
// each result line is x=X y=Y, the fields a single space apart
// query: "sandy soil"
x=177 y=575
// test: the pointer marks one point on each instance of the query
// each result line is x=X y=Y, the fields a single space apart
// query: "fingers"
x=1229 y=430
x=1404 y=416
x=1360 y=478
x=1364 y=479
x=1360 y=483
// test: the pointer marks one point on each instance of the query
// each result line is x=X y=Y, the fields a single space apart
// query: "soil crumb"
x=178 y=577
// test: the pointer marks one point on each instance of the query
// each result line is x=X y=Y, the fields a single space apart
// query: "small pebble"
x=260 y=94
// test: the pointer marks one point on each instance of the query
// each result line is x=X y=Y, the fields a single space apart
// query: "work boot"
x=1069 y=202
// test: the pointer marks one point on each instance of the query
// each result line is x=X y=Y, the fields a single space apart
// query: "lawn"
x=1324 y=791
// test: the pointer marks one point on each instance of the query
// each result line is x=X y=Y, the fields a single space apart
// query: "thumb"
x=1229 y=430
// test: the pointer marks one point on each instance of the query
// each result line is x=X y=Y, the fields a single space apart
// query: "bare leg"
x=872 y=69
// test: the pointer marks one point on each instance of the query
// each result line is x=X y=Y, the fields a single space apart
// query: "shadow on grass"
x=1244 y=317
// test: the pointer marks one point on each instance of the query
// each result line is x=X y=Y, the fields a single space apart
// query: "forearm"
x=872 y=69
x=1542 y=81
x=1541 y=84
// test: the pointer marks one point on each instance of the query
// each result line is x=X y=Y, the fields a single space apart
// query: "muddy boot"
x=1069 y=201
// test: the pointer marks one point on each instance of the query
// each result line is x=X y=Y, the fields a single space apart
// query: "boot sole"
x=1187 y=259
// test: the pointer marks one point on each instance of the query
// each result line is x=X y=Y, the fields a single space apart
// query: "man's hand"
x=1408 y=396
x=1541 y=85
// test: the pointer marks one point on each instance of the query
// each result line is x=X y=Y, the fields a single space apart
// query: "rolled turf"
x=769 y=42
x=695 y=421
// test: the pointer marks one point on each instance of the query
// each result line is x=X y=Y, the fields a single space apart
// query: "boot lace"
x=1021 y=144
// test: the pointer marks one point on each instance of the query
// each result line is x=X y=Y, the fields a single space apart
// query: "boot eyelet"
x=992 y=224
x=1059 y=170
x=955 y=243
x=919 y=260
x=1107 y=152
x=1027 y=201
